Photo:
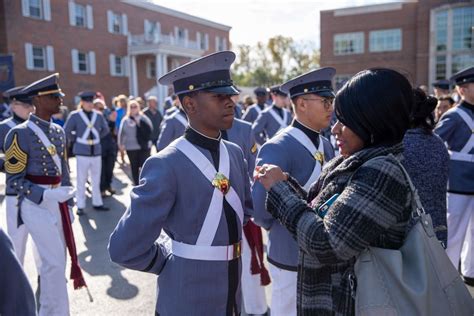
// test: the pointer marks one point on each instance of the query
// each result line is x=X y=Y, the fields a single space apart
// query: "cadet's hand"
x=268 y=175
x=60 y=194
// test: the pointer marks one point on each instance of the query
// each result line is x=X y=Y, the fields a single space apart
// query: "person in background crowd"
x=424 y=88
x=248 y=101
x=368 y=199
x=16 y=295
x=85 y=127
x=302 y=152
x=273 y=118
x=60 y=118
x=441 y=88
x=444 y=104
x=134 y=137
x=238 y=106
x=430 y=176
x=109 y=151
x=152 y=112
x=121 y=110
x=173 y=126
x=254 y=111
x=456 y=128
x=4 y=109
x=141 y=103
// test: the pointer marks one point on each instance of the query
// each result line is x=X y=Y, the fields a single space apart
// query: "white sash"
x=282 y=121
x=84 y=139
x=47 y=143
x=10 y=123
x=211 y=222
x=304 y=140
x=177 y=115
x=463 y=154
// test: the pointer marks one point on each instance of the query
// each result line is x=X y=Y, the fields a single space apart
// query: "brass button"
x=28 y=192
x=42 y=148
x=45 y=169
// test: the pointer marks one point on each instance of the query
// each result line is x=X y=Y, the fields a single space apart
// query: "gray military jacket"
x=241 y=134
x=269 y=122
x=173 y=127
x=86 y=136
x=5 y=127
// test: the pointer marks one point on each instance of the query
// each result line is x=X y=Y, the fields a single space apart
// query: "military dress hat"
x=442 y=84
x=276 y=90
x=464 y=76
x=260 y=91
x=46 y=86
x=210 y=73
x=16 y=94
x=87 y=96
x=317 y=81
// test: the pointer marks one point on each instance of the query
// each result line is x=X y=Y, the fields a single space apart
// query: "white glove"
x=61 y=194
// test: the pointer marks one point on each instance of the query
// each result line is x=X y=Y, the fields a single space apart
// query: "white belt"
x=207 y=253
x=461 y=156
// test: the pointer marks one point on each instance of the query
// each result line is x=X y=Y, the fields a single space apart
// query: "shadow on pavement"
x=97 y=227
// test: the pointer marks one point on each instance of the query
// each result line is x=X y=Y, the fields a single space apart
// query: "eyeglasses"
x=327 y=103
x=134 y=107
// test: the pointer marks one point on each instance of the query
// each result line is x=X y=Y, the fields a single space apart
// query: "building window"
x=221 y=44
x=453 y=44
x=385 y=40
x=151 y=69
x=37 y=9
x=39 y=57
x=117 y=23
x=203 y=41
x=83 y=62
x=80 y=15
x=340 y=80
x=349 y=43
x=118 y=65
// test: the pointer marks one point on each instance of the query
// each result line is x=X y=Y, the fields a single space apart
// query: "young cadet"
x=21 y=108
x=254 y=111
x=84 y=128
x=301 y=151
x=202 y=206
x=37 y=172
x=274 y=118
x=456 y=128
x=173 y=126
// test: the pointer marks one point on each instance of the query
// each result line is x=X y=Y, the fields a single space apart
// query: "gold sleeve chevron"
x=13 y=153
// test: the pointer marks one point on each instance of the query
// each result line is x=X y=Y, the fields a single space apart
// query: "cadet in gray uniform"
x=172 y=128
x=200 y=209
x=37 y=172
x=84 y=128
x=301 y=151
x=254 y=111
x=21 y=108
x=274 y=118
x=456 y=128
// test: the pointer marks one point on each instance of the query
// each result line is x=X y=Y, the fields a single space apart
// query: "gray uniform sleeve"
x=269 y=154
x=69 y=127
x=166 y=135
x=133 y=242
x=259 y=127
x=16 y=157
x=248 y=115
x=447 y=125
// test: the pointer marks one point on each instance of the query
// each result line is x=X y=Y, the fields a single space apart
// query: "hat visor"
x=326 y=94
x=229 y=90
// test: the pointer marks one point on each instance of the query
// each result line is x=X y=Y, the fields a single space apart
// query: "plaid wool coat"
x=372 y=210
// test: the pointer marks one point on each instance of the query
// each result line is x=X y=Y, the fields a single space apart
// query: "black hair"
x=447 y=98
x=376 y=105
x=422 y=112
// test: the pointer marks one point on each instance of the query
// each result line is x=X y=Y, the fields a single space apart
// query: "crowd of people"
x=326 y=174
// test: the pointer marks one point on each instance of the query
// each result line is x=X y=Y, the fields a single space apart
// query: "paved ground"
x=116 y=291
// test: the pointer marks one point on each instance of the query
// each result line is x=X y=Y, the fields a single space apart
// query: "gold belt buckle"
x=237 y=250
x=91 y=142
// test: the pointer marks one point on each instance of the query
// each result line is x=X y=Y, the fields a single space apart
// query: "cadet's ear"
x=189 y=104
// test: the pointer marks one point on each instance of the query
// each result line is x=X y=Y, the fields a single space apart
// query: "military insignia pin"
x=52 y=150
x=221 y=182
x=319 y=157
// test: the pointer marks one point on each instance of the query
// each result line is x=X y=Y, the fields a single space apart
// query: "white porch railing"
x=154 y=39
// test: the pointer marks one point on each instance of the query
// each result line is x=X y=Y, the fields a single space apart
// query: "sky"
x=259 y=20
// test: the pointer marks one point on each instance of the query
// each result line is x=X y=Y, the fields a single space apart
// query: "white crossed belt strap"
x=203 y=249
x=282 y=121
x=84 y=139
x=317 y=154
x=177 y=115
x=463 y=154
x=47 y=143
x=11 y=124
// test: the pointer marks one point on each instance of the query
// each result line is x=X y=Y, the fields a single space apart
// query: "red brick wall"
x=3 y=29
x=64 y=37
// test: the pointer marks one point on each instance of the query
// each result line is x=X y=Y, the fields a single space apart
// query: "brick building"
x=110 y=46
x=425 y=39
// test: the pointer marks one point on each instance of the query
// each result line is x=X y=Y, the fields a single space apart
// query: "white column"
x=161 y=69
x=133 y=79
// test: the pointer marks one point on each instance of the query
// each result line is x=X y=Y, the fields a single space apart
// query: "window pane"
x=117 y=23
x=440 y=67
x=385 y=40
x=80 y=15
x=349 y=43
x=35 y=8
x=463 y=21
x=118 y=65
x=462 y=61
x=82 y=58
x=441 y=25
x=38 y=57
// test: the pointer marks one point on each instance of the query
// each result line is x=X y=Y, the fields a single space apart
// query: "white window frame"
x=44 y=7
x=357 y=37
x=122 y=21
x=88 y=16
x=151 y=68
x=86 y=62
x=48 y=57
x=123 y=65
x=385 y=36
x=89 y=61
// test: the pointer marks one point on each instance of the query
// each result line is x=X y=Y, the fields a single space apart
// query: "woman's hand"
x=268 y=175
